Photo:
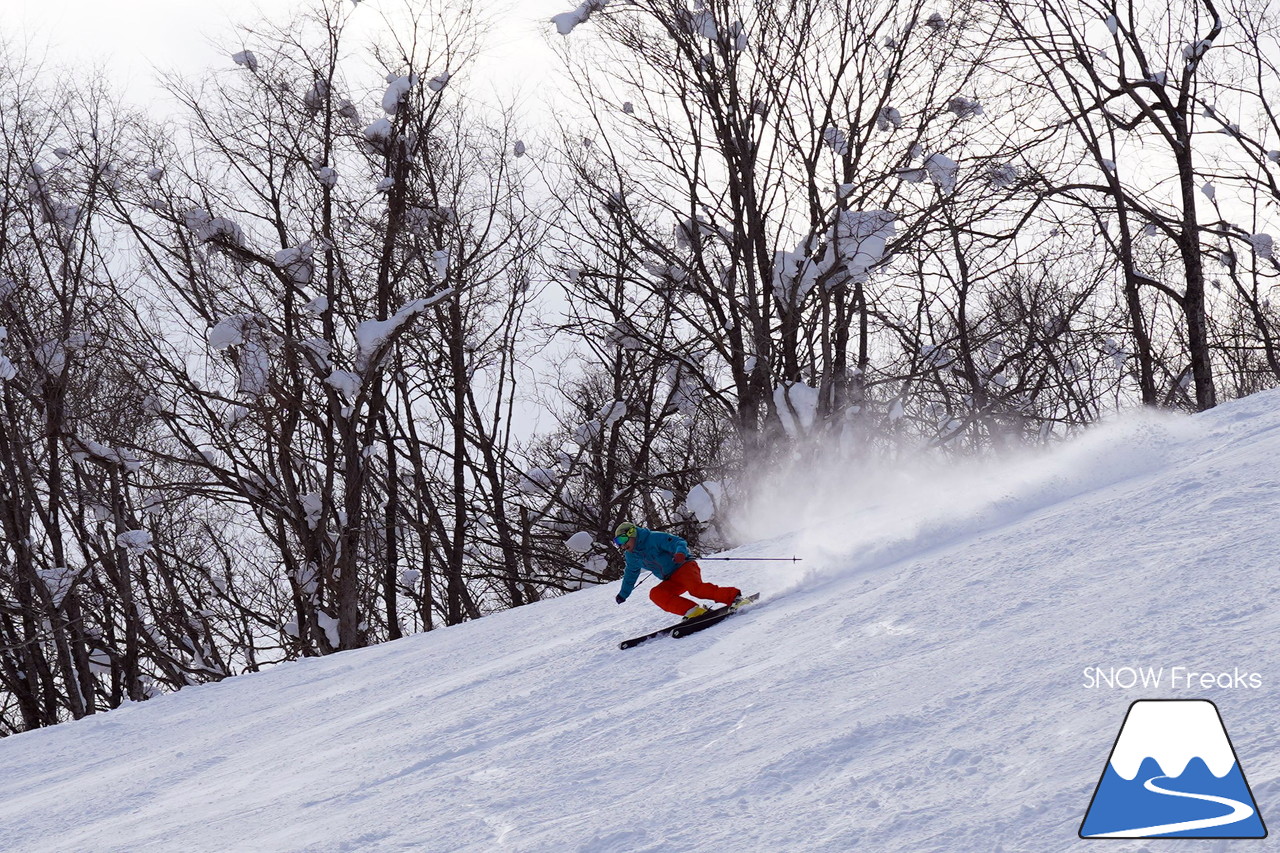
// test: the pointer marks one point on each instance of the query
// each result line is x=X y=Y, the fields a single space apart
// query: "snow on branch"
x=136 y=542
x=964 y=108
x=538 y=481
x=378 y=133
x=692 y=231
x=296 y=263
x=1002 y=176
x=580 y=542
x=702 y=22
x=58 y=581
x=797 y=405
x=1194 y=51
x=245 y=59
x=836 y=140
x=397 y=90
x=852 y=245
x=209 y=228
x=245 y=331
x=888 y=117
x=7 y=370
x=942 y=171
x=372 y=335
x=566 y=21
x=704 y=499
x=86 y=449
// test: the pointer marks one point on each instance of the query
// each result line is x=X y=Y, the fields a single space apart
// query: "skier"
x=667 y=557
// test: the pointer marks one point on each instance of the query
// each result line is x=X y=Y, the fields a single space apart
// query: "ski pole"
x=786 y=559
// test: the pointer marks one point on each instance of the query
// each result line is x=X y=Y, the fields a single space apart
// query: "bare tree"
x=1133 y=78
x=786 y=186
x=90 y=617
x=365 y=282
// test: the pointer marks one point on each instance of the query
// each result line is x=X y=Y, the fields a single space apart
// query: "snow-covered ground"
x=918 y=683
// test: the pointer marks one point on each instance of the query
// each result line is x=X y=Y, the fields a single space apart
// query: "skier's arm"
x=676 y=549
x=629 y=577
x=681 y=554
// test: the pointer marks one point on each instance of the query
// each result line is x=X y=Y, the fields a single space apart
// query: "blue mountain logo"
x=1173 y=773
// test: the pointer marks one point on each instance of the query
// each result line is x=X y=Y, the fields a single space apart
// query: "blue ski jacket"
x=654 y=551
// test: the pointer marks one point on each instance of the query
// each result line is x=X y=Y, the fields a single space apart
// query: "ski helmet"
x=623 y=533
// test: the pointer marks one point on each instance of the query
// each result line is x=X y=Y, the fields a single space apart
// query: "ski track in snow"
x=917 y=686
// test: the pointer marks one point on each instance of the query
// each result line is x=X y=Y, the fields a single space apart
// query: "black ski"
x=692 y=626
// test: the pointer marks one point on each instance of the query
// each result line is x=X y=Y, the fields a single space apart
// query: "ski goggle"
x=621 y=541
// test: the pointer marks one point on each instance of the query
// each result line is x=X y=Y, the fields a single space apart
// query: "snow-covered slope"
x=918 y=683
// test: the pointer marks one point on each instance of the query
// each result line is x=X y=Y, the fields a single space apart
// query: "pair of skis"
x=694 y=625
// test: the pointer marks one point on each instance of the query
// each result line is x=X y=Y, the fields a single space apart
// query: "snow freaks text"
x=1172 y=678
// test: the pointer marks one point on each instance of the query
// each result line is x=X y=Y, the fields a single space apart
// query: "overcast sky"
x=130 y=38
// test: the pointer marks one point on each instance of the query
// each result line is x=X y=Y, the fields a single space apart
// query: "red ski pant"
x=669 y=595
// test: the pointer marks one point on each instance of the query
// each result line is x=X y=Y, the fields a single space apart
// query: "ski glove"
x=619 y=599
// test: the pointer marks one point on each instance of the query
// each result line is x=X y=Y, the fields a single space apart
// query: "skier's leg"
x=669 y=595
x=700 y=588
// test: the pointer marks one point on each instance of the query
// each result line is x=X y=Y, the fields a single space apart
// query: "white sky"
x=131 y=38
